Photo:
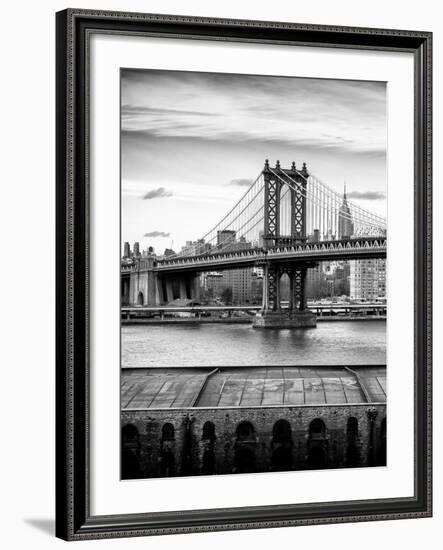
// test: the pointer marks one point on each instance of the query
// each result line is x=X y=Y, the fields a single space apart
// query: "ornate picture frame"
x=74 y=520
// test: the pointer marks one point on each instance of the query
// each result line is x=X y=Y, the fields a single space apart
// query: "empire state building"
x=345 y=225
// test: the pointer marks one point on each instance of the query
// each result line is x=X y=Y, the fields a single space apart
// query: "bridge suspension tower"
x=272 y=314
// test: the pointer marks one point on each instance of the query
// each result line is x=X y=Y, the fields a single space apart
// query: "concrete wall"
x=188 y=446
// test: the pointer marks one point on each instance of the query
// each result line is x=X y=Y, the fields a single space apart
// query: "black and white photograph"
x=207 y=340
x=253 y=273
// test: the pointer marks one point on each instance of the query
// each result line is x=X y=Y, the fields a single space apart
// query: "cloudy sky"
x=193 y=142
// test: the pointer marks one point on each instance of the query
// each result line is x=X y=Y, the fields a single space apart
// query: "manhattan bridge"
x=286 y=222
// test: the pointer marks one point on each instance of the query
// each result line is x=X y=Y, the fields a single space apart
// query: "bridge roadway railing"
x=343 y=249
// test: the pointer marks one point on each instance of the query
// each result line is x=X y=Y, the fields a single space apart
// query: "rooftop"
x=251 y=386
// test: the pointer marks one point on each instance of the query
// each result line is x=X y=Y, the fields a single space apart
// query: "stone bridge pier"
x=272 y=315
x=142 y=285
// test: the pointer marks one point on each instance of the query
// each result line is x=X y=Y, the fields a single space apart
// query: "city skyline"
x=179 y=127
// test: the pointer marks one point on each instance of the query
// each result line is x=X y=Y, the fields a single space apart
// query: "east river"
x=331 y=343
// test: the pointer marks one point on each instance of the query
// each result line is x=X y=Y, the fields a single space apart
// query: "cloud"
x=367 y=195
x=241 y=182
x=156 y=234
x=319 y=113
x=158 y=193
x=128 y=110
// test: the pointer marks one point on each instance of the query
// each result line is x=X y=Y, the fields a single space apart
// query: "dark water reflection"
x=337 y=342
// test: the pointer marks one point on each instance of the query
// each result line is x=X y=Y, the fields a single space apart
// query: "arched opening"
x=285 y=285
x=317 y=457
x=285 y=211
x=175 y=289
x=245 y=432
x=281 y=432
x=188 y=287
x=281 y=460
x=317 y=444
x=208 y=431
x=164 y=289
x=382 y=453
x=168 y=432
x=317 y=429
x=244 y=460
x=130 y=466
x=208 y=462
x=167 y=464
x=129 y=434
x=140 y=299
x=125 y=291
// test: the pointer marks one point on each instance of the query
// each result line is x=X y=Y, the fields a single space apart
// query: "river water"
x=331 y=343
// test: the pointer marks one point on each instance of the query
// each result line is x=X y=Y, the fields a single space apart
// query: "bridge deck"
x=356 y=248
x=251 y=387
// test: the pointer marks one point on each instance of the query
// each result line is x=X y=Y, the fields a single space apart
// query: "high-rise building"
x=341 y=278
x=213 y=284
x=328 y=279
x=126 y=250
x=225 y=237
x=315 y=278
x=194 y=248
x=245 y=285
x=368 y=279
x=257 y=287
x=345 y=225
x=240 y=282
x=314 y=237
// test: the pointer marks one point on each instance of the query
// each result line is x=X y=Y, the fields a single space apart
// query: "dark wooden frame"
x=73 y=518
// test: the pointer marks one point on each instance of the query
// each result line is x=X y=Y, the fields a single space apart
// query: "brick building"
x=178 y=422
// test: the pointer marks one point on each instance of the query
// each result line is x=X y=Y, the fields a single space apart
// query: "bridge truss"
x=287 y=206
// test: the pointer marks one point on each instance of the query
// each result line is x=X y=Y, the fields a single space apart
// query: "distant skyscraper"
x=345 y=225
x=225 y=237
x=126 y=250
x=136 y=249
x=194 y=248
